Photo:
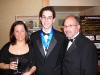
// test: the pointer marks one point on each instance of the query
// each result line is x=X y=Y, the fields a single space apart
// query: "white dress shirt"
x=70 y=42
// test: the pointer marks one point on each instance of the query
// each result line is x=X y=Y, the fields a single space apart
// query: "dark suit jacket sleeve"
x=32 y=55
x=89 y=60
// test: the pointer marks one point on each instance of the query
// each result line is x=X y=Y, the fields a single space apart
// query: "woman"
x=20 y=48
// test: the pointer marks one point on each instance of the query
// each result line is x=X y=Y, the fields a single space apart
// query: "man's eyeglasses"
x=70 y=26
x=49 y=18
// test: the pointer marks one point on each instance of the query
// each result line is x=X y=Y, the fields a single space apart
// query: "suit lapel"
x=51 y=45
x=39 y=43
x=73 y=46
x=50 y=48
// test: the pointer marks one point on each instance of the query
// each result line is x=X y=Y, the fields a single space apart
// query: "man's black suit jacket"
x=81 y=58
x=51 y=63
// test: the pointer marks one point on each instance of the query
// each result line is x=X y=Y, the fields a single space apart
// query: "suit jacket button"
x=45 y=65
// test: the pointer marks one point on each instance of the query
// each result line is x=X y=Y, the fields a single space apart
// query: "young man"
x=48 y=48
x=81 y=54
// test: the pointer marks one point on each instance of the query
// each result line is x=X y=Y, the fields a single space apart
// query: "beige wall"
x=74 y=2
x=11 y=8
x=62 y=15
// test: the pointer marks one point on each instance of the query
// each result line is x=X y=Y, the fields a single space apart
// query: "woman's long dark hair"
x=12 y=37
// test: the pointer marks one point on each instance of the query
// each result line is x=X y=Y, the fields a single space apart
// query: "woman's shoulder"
x=6 y=45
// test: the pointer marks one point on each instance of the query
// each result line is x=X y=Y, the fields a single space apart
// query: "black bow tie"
x=70 y=40
x=45 y=33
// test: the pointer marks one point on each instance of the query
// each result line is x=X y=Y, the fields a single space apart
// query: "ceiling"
x=71 y=8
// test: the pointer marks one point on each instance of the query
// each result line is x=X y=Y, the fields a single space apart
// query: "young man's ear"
x=54 y=20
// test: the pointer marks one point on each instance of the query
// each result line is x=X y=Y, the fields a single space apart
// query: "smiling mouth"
x=20 y=37
x=46 y=24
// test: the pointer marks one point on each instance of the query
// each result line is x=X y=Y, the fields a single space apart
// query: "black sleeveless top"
x=27 y=60
x=24 y=58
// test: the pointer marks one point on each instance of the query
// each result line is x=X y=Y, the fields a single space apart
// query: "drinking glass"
x=18 y=65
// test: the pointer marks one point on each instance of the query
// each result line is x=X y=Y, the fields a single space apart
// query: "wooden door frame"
x=45 y=3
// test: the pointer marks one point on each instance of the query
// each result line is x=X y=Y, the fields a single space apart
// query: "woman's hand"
x=13 y=65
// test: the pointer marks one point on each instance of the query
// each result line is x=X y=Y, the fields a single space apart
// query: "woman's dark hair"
x=12 y=37
x=47 y=8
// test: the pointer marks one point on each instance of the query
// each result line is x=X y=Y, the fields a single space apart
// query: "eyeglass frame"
x=70 y=26
x=49 y=17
